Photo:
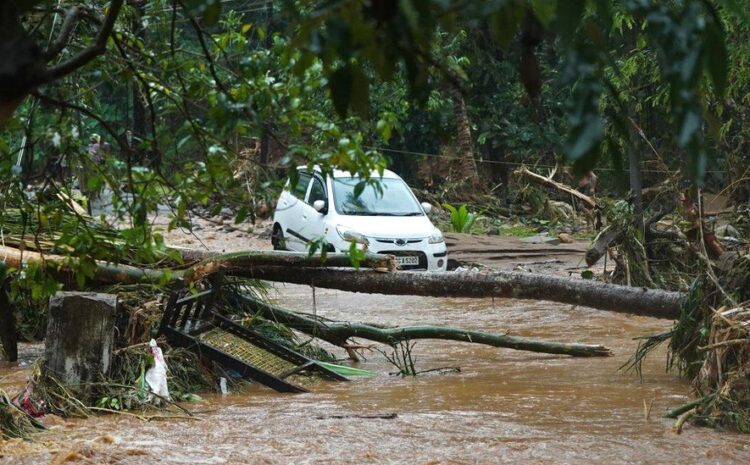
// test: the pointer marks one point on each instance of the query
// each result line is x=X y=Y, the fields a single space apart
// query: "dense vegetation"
x=208 y=104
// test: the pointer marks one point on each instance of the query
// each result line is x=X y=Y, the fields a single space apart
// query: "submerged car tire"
x=277 y=238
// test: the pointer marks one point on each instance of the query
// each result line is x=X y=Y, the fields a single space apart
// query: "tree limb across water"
x=530 y=286
x=299 y=268
x=338 y=333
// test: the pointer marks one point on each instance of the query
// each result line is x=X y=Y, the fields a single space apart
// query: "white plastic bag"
x=156 y=376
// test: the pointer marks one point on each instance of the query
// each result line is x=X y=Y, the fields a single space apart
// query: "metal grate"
x=247 y=352
x=192 y=322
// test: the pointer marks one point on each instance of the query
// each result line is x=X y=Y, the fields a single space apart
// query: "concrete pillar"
x=80 y=335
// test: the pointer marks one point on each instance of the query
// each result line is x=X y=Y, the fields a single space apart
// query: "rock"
x=727 y=230
x=493 y=231
x=261 y=211
x=218 y=219
x=539 y=239
x=226 y=213
x=80 y=335
x=565 y=238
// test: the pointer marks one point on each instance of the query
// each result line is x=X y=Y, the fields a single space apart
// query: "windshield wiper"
x=382 y=214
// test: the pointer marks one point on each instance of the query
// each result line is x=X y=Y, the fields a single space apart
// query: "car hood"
x=384 y=227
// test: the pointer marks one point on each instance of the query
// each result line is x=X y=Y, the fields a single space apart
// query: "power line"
x=246 y=5
x=497 y=162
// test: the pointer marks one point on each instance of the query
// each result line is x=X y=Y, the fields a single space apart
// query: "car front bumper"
x=431 y=257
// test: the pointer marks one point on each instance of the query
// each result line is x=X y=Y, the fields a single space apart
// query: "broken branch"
x=90 y=52
x=338 y=333
x=539 y=179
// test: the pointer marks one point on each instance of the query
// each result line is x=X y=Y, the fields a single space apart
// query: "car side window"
x=317 y=191
x=301 y=188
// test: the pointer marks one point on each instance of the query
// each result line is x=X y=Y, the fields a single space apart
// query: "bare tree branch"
x=201 y=40
x=68 y=26
x=89 y=53
x=46 y=99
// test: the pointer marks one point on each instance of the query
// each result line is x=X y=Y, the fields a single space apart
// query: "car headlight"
x=350 y=235
x=436 y=237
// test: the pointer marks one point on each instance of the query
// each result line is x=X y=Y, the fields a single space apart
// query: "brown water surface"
x=503 y=407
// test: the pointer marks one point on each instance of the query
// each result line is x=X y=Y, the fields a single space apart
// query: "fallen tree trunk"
x=105 y=273
x=231 y=263
x=338 y=333
x=237 y=262
x=601 y=244
x=301 y=269
x=602 y=296
x=539 y=179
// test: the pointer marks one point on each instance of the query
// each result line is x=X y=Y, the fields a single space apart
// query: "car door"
x=291 y=208
x=315 y=221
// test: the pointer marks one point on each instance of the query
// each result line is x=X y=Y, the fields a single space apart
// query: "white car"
x=393 y=222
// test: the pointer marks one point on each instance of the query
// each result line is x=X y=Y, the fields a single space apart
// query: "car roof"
x=346 y=174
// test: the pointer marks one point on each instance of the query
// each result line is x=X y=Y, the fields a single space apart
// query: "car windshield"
x=395 y=199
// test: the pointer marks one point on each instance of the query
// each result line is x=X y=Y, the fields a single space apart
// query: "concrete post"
x=80 y=335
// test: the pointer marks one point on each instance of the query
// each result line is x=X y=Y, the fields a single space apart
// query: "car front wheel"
x=277 y=238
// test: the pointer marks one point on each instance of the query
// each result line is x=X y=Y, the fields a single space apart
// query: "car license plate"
x=407 y=260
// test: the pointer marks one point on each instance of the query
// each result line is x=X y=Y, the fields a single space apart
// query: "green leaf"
x=355 y=255
x=4 y=147
x=504 y=23
x=737 y=8
x=544 y=10
x=587 y=274
x=241 y=215
x=359 y=188
x=450 y=208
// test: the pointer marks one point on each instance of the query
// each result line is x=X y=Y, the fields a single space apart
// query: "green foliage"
x=341 y=78
x=461 y=220
x=518 y=230
x=318 y=244
x=355 y=255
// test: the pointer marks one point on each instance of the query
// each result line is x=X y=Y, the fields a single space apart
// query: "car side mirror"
x=427 y=207
x=320 y=206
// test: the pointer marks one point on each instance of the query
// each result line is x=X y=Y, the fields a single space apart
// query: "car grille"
x=409 y=253
x=399 y=241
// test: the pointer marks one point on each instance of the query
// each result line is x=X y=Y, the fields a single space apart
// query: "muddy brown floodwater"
x=503 y=407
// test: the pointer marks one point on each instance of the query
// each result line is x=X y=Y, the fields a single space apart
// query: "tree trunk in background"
x=265 y=135
x=139 y=110
x=8 y=336
x=498 y=169
x=636 y=184
x=464 y=169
